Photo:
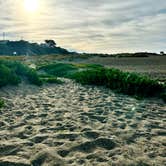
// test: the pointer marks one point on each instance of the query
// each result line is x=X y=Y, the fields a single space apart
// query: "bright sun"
x=31 y=5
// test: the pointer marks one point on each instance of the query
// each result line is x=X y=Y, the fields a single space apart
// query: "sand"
x=70 y=124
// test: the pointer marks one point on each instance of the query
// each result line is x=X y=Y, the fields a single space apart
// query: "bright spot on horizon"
x=31 y=5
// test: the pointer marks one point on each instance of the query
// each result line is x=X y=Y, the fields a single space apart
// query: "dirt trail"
x=70 y=124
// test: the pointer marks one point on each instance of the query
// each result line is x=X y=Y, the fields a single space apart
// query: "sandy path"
x=70 y=124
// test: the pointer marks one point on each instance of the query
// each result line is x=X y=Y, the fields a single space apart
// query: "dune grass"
x=12 y=72
x=58 y=69
x=46 y=78
x=1 y=103
x=65 y=69
x=123 y=82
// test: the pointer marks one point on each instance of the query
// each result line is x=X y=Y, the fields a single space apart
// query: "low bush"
x=7 y=76
x=163 y=96
x=33 y=77
x=65 y=70
x=47 y=78
x=58 y=69
x=11 y=73
x=124 y=82
x=1 y=103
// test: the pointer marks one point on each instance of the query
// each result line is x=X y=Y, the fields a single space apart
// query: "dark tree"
x=162 y=53
x=50 y=43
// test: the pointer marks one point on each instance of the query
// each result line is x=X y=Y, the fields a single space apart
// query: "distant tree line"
x=23 y=47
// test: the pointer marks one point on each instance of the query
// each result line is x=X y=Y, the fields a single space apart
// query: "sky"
x=96 y=26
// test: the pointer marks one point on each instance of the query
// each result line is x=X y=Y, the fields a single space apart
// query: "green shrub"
x=93 y=77
x=163 y=96
x=7 y=76
x=58 y=69
x=124 y=82
x=1 y=103
x=11 y=73
x=33 y=77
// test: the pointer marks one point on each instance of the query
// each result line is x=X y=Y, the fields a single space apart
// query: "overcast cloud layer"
x=105 y=26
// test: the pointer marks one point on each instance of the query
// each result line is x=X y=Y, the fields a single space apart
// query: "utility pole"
x=3 y=36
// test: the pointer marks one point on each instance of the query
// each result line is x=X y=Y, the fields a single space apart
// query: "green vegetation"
x=58 y=69
x=163 y=96
x=1 y=103
x=24 y=47
x=65 y=70
x=123 y=82
x=8 y=76
x=12 y=72
x=46 y=78
x=92 y=74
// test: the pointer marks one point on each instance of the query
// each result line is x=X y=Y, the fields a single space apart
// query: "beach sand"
x=71 y=124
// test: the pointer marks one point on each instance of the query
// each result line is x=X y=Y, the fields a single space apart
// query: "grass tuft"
x=58 y=69
x=51 y=80
x=1 y=103
x=12 y=72
x=123 y=82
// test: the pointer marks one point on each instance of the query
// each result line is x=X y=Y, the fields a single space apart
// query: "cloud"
x=91 y=26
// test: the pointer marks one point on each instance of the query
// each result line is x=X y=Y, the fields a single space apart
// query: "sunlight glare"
x=31 y=5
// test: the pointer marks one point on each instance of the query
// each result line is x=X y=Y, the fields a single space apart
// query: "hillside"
x=26 y=48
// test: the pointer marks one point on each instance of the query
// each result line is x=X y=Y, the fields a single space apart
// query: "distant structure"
x=14 y=53
x=3 y=41
x=3 y=35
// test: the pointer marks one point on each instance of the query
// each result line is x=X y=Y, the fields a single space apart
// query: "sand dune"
x=70 y=124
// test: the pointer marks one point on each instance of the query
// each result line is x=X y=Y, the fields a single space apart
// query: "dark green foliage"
x=24 y=47
x=93 y=77
x=33 y=77
x=51 y=80
x=163 y=96
x=65 y=70
x=7 y=76
x=124 y=82
x=58 y=69
x=46 y=78
x=11 y=73
x=1 y=103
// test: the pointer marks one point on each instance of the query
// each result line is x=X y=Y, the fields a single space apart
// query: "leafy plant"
x=1 y=103
x=58 y=69
x=12 y=72
x=124 y=82
x=7 y=76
